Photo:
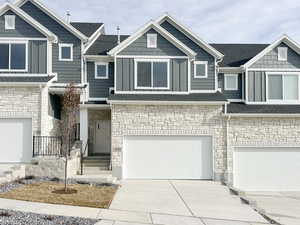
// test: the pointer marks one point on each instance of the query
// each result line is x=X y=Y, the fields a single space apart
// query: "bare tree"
x=70 y=106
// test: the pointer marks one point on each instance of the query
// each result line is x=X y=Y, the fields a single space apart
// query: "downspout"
x=227 y=141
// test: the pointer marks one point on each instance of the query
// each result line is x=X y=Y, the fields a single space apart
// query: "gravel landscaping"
x=8 y=217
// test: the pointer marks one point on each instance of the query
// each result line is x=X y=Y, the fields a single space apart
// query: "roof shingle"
x=88 y=29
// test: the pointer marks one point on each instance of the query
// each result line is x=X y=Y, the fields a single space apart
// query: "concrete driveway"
x=178 y=203
x=283 y=207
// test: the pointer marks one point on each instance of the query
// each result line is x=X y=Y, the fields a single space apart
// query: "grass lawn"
x=50 y=192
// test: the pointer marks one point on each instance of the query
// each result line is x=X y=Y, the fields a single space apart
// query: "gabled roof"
x=283 y=39
x=50 y=13
x=210 y=49
x=160 y=30
x=88 y=29
x=8 y=6
x=236 y=55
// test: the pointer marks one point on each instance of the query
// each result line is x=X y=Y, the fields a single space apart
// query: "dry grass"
x=86 y=195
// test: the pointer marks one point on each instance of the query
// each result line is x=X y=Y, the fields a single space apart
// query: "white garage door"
x=15 y=140
x=167 y=157
x=267 y=169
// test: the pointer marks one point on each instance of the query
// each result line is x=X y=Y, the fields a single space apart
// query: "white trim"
x=50 y=13
x=29 y=19
x=236 y=87
x=82 y=64
x=152 y=57
x=9 y=55
x=96 y=70
x=13 y=18
x=230 y=69
x=286 y=39
x=22 y=39
x=93 y=38
x=149 y=36
x=151 y=61
x=274 y=69
x=203 y=91
x=189 y=32
x=64 y=45
x=195 y=69
x=23 y=75
x=97 y=99
x=285 y=49
x=22 y=84
x=235 y=100
x=160 y=30
x=289 y=115
x=153 y=92
x=93 y=58
x=144 y=102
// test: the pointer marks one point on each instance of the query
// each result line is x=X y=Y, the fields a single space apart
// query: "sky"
x=215 y=21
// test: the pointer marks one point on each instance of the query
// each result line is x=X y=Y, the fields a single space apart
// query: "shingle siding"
x=67 y=71
x=99 y=88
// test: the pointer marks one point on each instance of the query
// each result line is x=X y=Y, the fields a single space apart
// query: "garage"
x=16 y=140
x=168 y=157
x=267 y=169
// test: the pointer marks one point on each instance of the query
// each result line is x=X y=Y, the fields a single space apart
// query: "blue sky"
x=222 y=21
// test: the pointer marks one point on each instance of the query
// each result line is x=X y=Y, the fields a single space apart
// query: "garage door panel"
x=167 y=157
x=16 y=140
x=267 y=169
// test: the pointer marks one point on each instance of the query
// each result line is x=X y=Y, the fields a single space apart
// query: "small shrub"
x=48 y=218
x=29 y=178
x=4 y=214
x=55 y=179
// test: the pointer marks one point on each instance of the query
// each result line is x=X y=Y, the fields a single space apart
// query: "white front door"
x=15 y=140
x=267 y=169
x=102 y=137
x=167 y=157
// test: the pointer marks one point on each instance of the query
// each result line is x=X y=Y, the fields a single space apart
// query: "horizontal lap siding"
x=230 y=94
x=67 y=71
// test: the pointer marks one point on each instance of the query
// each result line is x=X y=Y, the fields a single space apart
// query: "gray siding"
x=196 y=83
x=178 y=75
x=99 y=88
x=231 y=94
x=256 y=86
x=22 y=28
x=164 y=47
x=270 y=60
x=37 y=58
x=67 y=71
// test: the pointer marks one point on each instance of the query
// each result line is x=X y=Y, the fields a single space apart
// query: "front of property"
x=158 y=104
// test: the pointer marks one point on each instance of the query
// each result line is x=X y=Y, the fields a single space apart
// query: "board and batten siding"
x=67 y=71
x=164 y=47
x=125 y=79
x=230 y=94
x=270 y=60
x=196 y=83
x=256 y=86
x=99 y=88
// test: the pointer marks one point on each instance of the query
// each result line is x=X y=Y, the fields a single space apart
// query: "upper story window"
x=282 y=87
x=151 y=40
x=10 y=21
x=13 y=56
x=230 y=82
x=101 y=70
x=66 y=52
x=282 y=53
x=200 y=69
x=152 y=74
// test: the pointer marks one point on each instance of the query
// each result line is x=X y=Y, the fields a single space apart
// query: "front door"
x=102 y=137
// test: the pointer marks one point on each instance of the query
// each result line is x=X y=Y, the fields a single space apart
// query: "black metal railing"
x=47 y=146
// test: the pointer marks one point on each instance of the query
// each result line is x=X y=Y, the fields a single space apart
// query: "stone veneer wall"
x=169 y=120
x=261 y=132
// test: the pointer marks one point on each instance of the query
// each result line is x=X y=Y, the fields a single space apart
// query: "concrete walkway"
x=158 y=202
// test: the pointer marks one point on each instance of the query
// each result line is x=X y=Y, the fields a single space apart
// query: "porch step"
x=96 y=170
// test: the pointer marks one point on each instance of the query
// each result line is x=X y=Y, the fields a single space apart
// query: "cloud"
x=222 y=21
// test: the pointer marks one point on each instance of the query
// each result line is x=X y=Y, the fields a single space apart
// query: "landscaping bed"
x=8 y=217
x=45 y=190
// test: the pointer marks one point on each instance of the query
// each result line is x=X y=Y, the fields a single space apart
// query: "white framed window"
x=231 y=82
x=283 y=87
x=282 y=53
x=14 y=56
x=65 y=52
x=101 y=70
x=152 y=73
x=10 y=22
x=151 y=40
x=200 y=69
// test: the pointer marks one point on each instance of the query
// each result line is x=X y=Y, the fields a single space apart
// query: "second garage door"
x=167 y=157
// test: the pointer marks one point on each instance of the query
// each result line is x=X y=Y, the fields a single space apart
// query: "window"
x=152 y=74
x=282 y=53
x=66 y=52
x=151 y=40
x=231 y=82
x=283 y=87
x=10 y=21
x=13 y=56
x=200 y=69
x=101 y=70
